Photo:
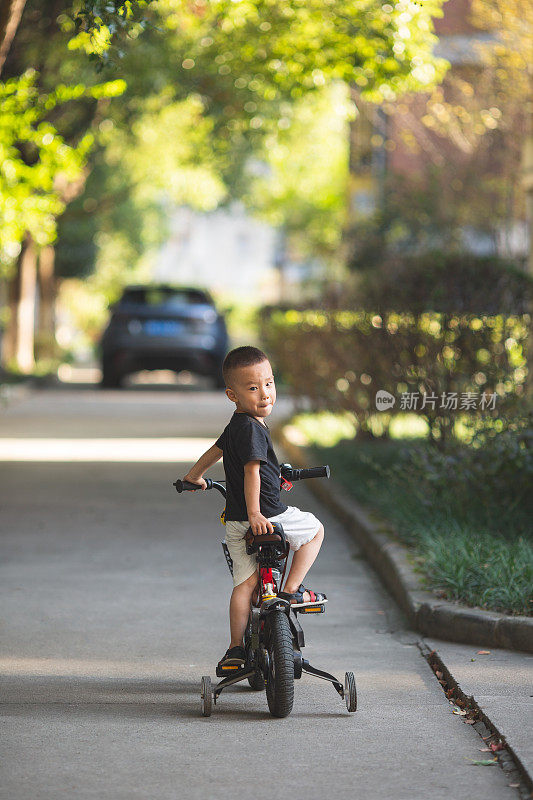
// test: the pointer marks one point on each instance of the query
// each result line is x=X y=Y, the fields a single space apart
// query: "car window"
x=158 y=296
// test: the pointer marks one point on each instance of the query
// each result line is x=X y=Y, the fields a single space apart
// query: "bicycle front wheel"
x=280 y=676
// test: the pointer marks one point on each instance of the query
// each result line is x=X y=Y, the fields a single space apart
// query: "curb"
x=512 y=764
x=426 y=614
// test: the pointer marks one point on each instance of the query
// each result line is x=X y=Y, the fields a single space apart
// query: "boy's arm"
x=205 y=461
x=252 y=484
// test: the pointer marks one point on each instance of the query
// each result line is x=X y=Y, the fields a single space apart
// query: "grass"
x=464 y=515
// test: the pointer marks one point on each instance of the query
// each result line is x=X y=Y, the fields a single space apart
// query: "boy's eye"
x=255 y=387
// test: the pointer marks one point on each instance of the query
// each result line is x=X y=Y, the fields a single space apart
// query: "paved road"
x=114 y=598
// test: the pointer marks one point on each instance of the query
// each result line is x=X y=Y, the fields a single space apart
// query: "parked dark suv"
x=163 y=327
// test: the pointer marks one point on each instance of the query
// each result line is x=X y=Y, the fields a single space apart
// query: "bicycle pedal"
x=229 y=669
x=318 y=609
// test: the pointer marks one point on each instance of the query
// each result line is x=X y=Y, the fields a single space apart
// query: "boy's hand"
x=259 y=524
x=200 y=481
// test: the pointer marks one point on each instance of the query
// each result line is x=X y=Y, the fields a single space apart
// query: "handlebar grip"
x=314 y=472
x=186 y=486
x=292 y=474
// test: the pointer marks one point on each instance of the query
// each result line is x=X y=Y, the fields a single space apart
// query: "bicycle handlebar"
x=186 y=486
x=287 y=471
x=292 y=474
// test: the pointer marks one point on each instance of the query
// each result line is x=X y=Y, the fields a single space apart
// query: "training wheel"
x=350 y=692
x=207 y=696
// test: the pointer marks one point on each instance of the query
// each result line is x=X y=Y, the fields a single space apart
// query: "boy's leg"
x=239 y=609
x=302 y=561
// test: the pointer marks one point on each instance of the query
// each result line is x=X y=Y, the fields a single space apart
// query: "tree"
x=10 y=14
x=231 y=68
x=471 y=129
x=300 y=184
x=102 y=23
x=45 y=140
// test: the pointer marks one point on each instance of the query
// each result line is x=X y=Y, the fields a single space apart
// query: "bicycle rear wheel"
x=257 y=682
x=280 y=677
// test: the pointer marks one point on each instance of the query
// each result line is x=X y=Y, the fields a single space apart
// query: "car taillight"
x=135 y=327
x=210 y=316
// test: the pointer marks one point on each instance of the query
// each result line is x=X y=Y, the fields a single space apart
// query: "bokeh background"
x=352 y=181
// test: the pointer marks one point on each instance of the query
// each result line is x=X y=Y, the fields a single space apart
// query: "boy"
x=253 y=492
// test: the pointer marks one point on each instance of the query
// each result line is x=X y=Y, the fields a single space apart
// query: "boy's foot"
x=299 y=599
x=234 y=657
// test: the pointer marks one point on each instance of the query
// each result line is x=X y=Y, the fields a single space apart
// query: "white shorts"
x=299 y=528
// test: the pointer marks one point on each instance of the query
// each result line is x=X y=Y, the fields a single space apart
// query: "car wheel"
x=110 y=379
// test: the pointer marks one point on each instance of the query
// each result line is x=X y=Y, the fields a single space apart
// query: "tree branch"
x=10 y=14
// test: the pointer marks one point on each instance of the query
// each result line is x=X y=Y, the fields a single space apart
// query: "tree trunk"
x=26 y=306
x=10 y=14
x=9 y=339
x=527 y=178
x=47 y=294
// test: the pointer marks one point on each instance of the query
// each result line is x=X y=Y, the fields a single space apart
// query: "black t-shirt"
x=245 y=439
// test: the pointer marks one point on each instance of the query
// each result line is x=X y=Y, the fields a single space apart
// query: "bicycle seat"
x=276 y=538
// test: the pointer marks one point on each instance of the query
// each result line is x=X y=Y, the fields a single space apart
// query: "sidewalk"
x=500 y=681
x=115 y=590
x=501 y=684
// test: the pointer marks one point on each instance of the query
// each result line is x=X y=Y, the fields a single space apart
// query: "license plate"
x=158 y=327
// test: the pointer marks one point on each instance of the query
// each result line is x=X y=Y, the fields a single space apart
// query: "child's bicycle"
x=274 y=636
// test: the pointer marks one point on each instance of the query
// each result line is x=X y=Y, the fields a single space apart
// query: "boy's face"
x=253 y=389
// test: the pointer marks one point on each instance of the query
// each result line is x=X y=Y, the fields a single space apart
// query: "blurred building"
x=399 y=142
x=231 y=253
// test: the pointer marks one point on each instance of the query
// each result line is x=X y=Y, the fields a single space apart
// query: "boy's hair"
x=244 y=356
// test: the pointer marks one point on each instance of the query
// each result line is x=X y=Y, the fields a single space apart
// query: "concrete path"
x=113 y=597
x=501 y=683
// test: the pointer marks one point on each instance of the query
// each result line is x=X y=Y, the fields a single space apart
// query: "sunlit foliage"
x=36 y=163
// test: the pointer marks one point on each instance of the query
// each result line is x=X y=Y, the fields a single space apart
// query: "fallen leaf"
x=514 y=785
x=438 y=674
x=483 y=652
x=469 y=721
x=460 y=711
x=484 y=749
x=496 y=747
x=485 y=762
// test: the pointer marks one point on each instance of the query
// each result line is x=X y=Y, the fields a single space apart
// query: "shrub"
x=487 y=486
x=451 y=283
x=338 y=359
x=466 y=516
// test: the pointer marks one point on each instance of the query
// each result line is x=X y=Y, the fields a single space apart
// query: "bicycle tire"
x=257 y=682
x=350 y=692
x=280 y=677
x=207 y=696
